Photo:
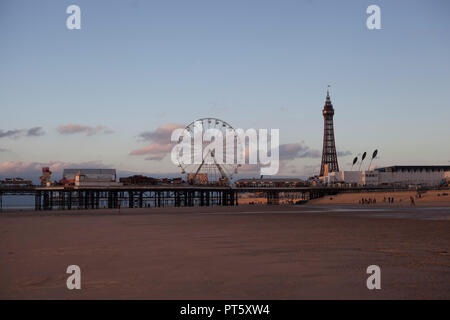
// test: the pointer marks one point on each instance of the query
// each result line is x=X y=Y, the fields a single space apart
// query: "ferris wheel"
x=212 y=166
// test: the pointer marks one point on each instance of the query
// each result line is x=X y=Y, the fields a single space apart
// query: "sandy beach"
x=401 y=199
x=245 y=252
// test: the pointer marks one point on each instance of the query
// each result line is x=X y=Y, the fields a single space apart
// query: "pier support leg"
x=69 y=201
x=159 y=198
x=110 y=200
x=97 y=199
x=37 y=201
x=130 y=199
x=273 y=198
x=224 y=198
x=202 y=200
x=86 y=200
x=116 y=199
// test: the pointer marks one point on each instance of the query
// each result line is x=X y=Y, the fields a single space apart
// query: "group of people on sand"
x=368 y=201
x=389 y=200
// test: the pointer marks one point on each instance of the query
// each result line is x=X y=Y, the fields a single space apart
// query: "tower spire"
x=328 y=99
x=329 y=154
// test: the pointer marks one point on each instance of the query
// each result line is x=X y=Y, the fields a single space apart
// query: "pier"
x=67 y=198
x=132 y=197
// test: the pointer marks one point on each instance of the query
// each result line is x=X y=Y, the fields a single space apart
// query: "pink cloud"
x=88 y=130
x=153 y=149
x=292 y=151
x=161 y=134
x=161 y=144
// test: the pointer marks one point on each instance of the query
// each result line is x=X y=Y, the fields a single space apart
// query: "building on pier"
x=90 y=177
x=270 y=182
x=394 y=176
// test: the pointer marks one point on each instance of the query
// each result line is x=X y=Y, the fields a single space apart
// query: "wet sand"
x=245 y=252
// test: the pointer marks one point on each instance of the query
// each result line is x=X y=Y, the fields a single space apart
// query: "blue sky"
x=138 y=65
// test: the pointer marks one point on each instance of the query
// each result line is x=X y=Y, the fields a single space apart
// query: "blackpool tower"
x=329 y=156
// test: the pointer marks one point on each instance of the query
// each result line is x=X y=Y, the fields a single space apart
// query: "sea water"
x=17 y=202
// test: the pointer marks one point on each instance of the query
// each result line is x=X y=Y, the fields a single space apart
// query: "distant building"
x=46 y=175
x=139 y=180
x=90 y=177
x=177 y=181
x=15 y=182
x=275 y=182
x=199 y=178
x=99 y=174
x=394 y=176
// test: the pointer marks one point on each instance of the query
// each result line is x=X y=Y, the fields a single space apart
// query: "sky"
x=109 y=94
